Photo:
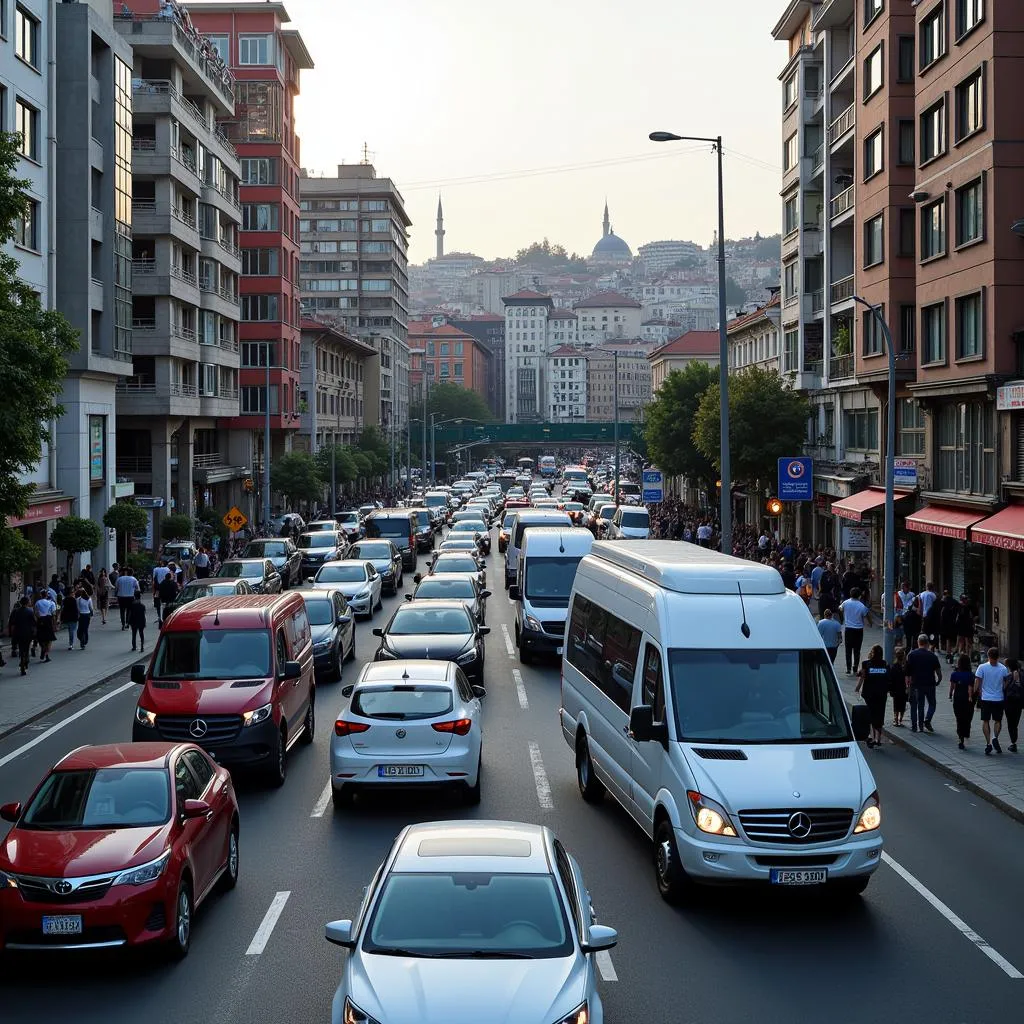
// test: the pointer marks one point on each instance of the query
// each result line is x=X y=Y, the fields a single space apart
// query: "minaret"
x=439 y=232
x=607 y=224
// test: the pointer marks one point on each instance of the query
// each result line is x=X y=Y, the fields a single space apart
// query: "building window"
x=907 y=141
x=860 y=428
x=26 y=226
x=790 y=153
x=908 y=231
x=874 y=153
x=221 y=45
x=259 y=170
x=790 y=215
x=970 y=105
x=933 y=132
x=872 y=9
x=26 y=124
x=932 y=36
x=908 y=328
x=253 y=399
x=969 y=15
x=874 y=342
x=874 y=73
x=874 y=241
x=259 y=307
x=257 y=354
x=933 y=333
x=966 y=455
x=261 y=217
x=911 y=431
x=260 y=262
x=970 y=212
x=933 y=229
x=259 y=112
x=970 y=318
x=255 y=50
x=26 y=36
x=791 y=279
x=789 y=92
x=905 y=62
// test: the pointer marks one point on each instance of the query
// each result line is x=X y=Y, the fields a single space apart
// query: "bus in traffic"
x=525 y=465
x=547 y=466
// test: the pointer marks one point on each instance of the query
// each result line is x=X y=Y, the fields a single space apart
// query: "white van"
x=697 y=691
x=629 y=523
x=524 y=519
x=547 y=567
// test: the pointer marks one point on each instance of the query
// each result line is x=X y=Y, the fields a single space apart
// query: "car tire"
x=673 y=884
x=591 y=787
x=380 y=598
x=181 y=935
x=229 y=879
x=341 y=798
x=471 y=794
x=278 y=770
x=309 y=722
x=400 y=582
x=351 y=656
x=336 y=671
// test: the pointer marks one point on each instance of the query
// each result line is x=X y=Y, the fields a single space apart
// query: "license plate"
x=798 y=876
x=558 y=650
x=405 y=771
x=62 y=924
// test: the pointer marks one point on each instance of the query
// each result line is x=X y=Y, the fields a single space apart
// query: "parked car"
x=259 y=573
x=386 y=559
x=359 y=581
x=117 y=846
x=399 y=526
x=464 y=587
x=283 y=553
x=334 y=631
x=210 y=587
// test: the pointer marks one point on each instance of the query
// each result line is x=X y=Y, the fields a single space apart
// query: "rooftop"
x=692 y=343
x=561 y=314
x=761 y=313
x=603 y=300
x=525 y=295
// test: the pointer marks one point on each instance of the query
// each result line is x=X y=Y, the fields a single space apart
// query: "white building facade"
x=606 y=316
x=567 y=385
x=526 y=346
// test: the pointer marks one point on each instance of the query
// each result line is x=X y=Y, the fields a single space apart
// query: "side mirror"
x=485 y=593
x=343 y=619
x=139 y=674
x=10 y=812
x=514 y=593
x=643 y=728
x=310 y=580
x=418 y=578
x=479 y=691
x=195 y=809
x=377 y=631
x=860 y=716
x=484 y=630
x=346 y=691
x=599 y=937
x=408 y=597
x=292 y=670
x=340 y=934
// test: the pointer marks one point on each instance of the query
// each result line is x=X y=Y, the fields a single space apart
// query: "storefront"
x=1002 y=535
x=824 y=524
x=861 y=532
x=34 y=527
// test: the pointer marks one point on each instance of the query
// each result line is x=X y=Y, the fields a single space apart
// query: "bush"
x=74 y=535
x=176 y=527
x=141 y=563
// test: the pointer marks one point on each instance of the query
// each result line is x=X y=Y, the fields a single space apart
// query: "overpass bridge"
x=529 y=436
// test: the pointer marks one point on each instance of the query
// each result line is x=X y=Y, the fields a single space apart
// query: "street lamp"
x=725 y=515
x=433 y=447
x=266 y=437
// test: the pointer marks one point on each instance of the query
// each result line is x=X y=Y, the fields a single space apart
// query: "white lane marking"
x=509 y=646
x=957 y=922
x=524 y=703
x=263 y=933
x=24 y=748
x=948 y=786
x=540 y=778
x=322 y=801
x=605 y=966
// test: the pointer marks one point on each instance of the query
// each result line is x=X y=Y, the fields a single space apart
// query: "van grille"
x=719 y=754
x=797 y=825
x=830 y=753
x=556 y=628
x=219 y=728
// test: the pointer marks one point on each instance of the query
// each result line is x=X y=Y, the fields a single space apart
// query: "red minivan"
x=235 y=676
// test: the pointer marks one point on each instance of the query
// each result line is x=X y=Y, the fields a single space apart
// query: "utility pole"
x=266 y=445
x=615 y=357
x=433 y=451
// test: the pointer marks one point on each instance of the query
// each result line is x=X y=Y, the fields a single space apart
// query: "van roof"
x=688 y=568
x=542 y=515
x=244 y=611
x=575 y=540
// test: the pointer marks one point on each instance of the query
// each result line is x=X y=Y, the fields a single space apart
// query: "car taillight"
x=343 y=728
x=460 y=726
x=412 y=540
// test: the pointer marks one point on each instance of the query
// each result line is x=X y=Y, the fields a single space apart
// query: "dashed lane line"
x=322 y=801
x=540 y=778
x=605 y=967
x=266 y=928
x=509 y=646
x=524 y=701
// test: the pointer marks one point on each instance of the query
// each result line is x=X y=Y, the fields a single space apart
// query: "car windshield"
x=456 y=563
x=573 y=506
x=402 y=703
x=250 y=570
x=507 y=521
x=549 y=580
x=194 y=591
x=348 y=518
x=466 y=526
x=458 y=544
x=744 y=696
x=379 y=550
x=635 y=520
x=320 y=611
x=440 y=587
x=423 y=518
x=266 y=549
x=344 y=572
x=389 y=527
x=419 y=621
x=318 y=540
x=436 y=500
x=468 y=914
x=100 y=798
x=213 y=654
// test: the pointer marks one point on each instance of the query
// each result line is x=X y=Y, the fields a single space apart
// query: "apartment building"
x=689 y=347
x=754 y=339
x=566 y=372
x=660 y=256
x=173 y=411
x=449 y=355
x=354 y=270
x=489 y=331
x=623 y=367
x=526 y=345
x=607 y=315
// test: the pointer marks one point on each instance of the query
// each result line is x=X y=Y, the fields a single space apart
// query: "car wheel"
x=351 y=656
x=341 y=798
x=229 y=879
x=673 y=884
x=181 y=937
x=309 y=722
x=278 y=770
x=400 y=582
x=591 y=787
x=471 y=794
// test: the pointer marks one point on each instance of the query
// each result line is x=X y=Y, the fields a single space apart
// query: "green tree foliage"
x=16 y=553
x=211 y=522
x=295 y=475
x=364 y=465
x=177 y=527
x=547 y=255
x=345 y=468
x=668 y=431
x=74 y=535
x=767 y=420
x=452 y=401
x=127 y=519
x=374 y=444
x=34 y=346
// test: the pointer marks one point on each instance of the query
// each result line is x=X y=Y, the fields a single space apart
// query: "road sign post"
x=653 y=486
x=796 y=479
x=234 y=519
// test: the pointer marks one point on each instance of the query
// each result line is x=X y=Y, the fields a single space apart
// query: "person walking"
x=898 y=687
x=23 y=629
x=89 y=576
x=961 y=693
x=948 y=612
x=873 y=686
x=137 y=621
x=160 y=573
x=991 y=686
x=45 y=610
x=964 y=626
x=831 y=634
x=905 y=599
x=202 y=564
x=85 y=612
x=127 y=584
x=924 y=673
x=1013 y=695
x=854 y=614
x=166 y=593
x=103 y=595
x=69 y=616
x=931 y=611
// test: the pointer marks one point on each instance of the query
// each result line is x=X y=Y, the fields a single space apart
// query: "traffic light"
x=774 y=507
x=248 y=486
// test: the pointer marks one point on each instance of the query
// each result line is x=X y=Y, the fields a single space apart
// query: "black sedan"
x=334 y=631
x=319 y=547
x=425 y=531
x=283 y=553
x=386 y=558
x=259 y=573
x=459 y=561
x=440 y=630
x=462 y=587
x=195 y=589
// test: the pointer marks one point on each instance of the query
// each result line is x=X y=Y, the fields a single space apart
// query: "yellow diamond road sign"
x=235 y=519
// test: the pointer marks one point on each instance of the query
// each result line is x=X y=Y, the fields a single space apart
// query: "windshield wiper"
x=485 y=954
x=398 y=951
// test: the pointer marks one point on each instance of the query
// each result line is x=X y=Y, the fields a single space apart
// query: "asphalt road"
x=737 y=956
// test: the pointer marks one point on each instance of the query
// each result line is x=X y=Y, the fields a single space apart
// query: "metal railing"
x=186 y=218
x=228 y=294
x=208 y=460
x=135 y=387
x=791 y=299
x=229 y=344
x=840 y=367
x=842 y=124
x=143 y=145
x=143 y=206
x=163 y=87
x=818 y=300
x=842 y=289
x=841 y=203
x=184 y=275
x=178 y=390
x=185 y=333
x=228 y=246
x=143 y=267
x=134 y=464
x=814 y=366
x=144 y=323
x=818 y=159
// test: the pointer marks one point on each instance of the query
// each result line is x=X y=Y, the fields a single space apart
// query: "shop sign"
x=821 y=503
x=97 y=447
x=905 y=472
x=42 y=512
x=856 y=538
x=1010 y=397
x=796 y=479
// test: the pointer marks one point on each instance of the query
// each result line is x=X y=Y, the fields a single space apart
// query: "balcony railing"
x=818 y=300
x=842 y=202
x=162 y=87
x=185 y=333
x=842 y=289
x=818 y=159
x=184 y=216
x=791 y=300
x=143 y=267
x=208 y=460
x=842 y=124
x=179 y=390
x=134 y=464
x=229 y=344
x=228 y=246
x=813 y=366
x=183 y=275
x=144 y=323
x=228 y=293
x=143 y=205
x=136 y=387
x=206 y=284
x=142 y=145
x=840 y=367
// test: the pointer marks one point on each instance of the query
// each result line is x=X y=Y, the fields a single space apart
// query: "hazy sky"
x=443 y=90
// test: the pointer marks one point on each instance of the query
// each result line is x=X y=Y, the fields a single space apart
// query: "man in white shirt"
x=202 y=564
x=125 y=589
x=991 y=677
x=927 y=597
x=855 y=614
x=704 y=535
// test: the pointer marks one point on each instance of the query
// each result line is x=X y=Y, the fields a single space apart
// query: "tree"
x=211 y=522
x=176 y=527
x=669 y=427
x=364 y=465
x=767 y=420
x=74 y=535
x=374 y=445
x=295 y=476
x=345 y=468
x=127 y=519
x=452 y=401
x=34 y=346
x=16 y=553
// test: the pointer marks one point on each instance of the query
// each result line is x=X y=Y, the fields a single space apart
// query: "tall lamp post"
x=615 y=360
x=725 y=514
x=266 y=438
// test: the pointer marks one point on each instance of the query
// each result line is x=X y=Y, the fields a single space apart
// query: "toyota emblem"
x=197 y=729
x=799 y=825
x=400 y=733
x=63 y=887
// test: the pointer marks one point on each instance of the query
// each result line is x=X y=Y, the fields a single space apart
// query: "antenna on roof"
x=216 y=616
x=405 y=673
x=744 y=629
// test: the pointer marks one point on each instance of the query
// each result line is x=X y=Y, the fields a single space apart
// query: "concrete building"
x=563 y=327
x=660 y=331
x=173 y=411
x=354 y=270
x=691 y=347
x=607 y=315
x=657 y=257
x=754 y=339
x=566 y=373
x=489 y=331
x=450 y=355
x=526 y=325
x=624 y=365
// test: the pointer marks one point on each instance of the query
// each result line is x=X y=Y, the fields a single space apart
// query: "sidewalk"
x=997 y=778
x=69 y=674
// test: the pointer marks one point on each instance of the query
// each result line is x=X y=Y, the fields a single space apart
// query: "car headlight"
x=8 y=881
x=323 y=645
x=257 y=716
x=581 y=1015
x=709 y=816
x=353 y=1015
x=467 y=657
x=144 y=873
x=870 y=815
x=144 y=717
x=362 y=595
x=532 y=623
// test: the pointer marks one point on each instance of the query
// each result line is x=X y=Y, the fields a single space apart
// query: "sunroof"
x=482 y=846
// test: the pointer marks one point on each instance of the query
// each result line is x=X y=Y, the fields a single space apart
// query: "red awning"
x=1003 y=530
x=857 y=504
x=943 y=522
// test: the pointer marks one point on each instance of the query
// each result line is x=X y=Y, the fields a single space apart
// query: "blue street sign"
x=653 y=486
x=796 y=479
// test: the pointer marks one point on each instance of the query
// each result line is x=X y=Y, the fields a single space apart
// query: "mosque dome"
x=612 y=247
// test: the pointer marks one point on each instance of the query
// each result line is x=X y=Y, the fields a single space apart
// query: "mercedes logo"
x=197 y=728
x=799 y=825
x=400 y=733
x=63 y=887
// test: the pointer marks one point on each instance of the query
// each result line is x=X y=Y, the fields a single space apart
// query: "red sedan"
x=117 y=846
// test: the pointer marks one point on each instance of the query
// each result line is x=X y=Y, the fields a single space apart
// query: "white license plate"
x=798 y=876
x=62 y=924
x=558 y=650
x=404 y=771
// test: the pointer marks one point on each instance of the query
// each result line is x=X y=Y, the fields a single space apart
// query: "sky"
x=525 y=115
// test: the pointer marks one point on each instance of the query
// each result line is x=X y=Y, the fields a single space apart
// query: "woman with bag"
x=873 y=685
x=961 y=693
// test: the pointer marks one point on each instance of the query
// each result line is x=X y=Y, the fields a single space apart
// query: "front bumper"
x=538 y=642
x=324 y=661
x=361 y=605
x=251 y=747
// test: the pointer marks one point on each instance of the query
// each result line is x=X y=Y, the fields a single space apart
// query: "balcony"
x=184 y=216
x=842 y=124
x=840 y=367
x=183 y=275
x=185 y=333
x=842 y=203
x=817 y=300
x=831 y=13
x=842 y=290
x=208 y=460
x=818 y=159
x=142 y=145
x=143 y=267
x=823 y=452
x=132 y=465
x=144 y=323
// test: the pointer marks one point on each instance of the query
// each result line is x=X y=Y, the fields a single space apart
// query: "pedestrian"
x=137 y=621
x=202 y=564
x=69 y=616
x=88 y=575
x=1013 y=695
x=931 y=615
x=45 y=610
x=127 y=584
x=948 y=612
x=924 y=673
x=854 y=614
x=961 y=693
x=85 y=612
x=964 y=626
x=873 y=686
x=831 y=634
x=827 y=588
x=160 y=573
x=905 y=599
x=167 y=592
x=991 y=685
x=103 y=595
x=913 y=624
x=898 y=687
x=23 y=629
